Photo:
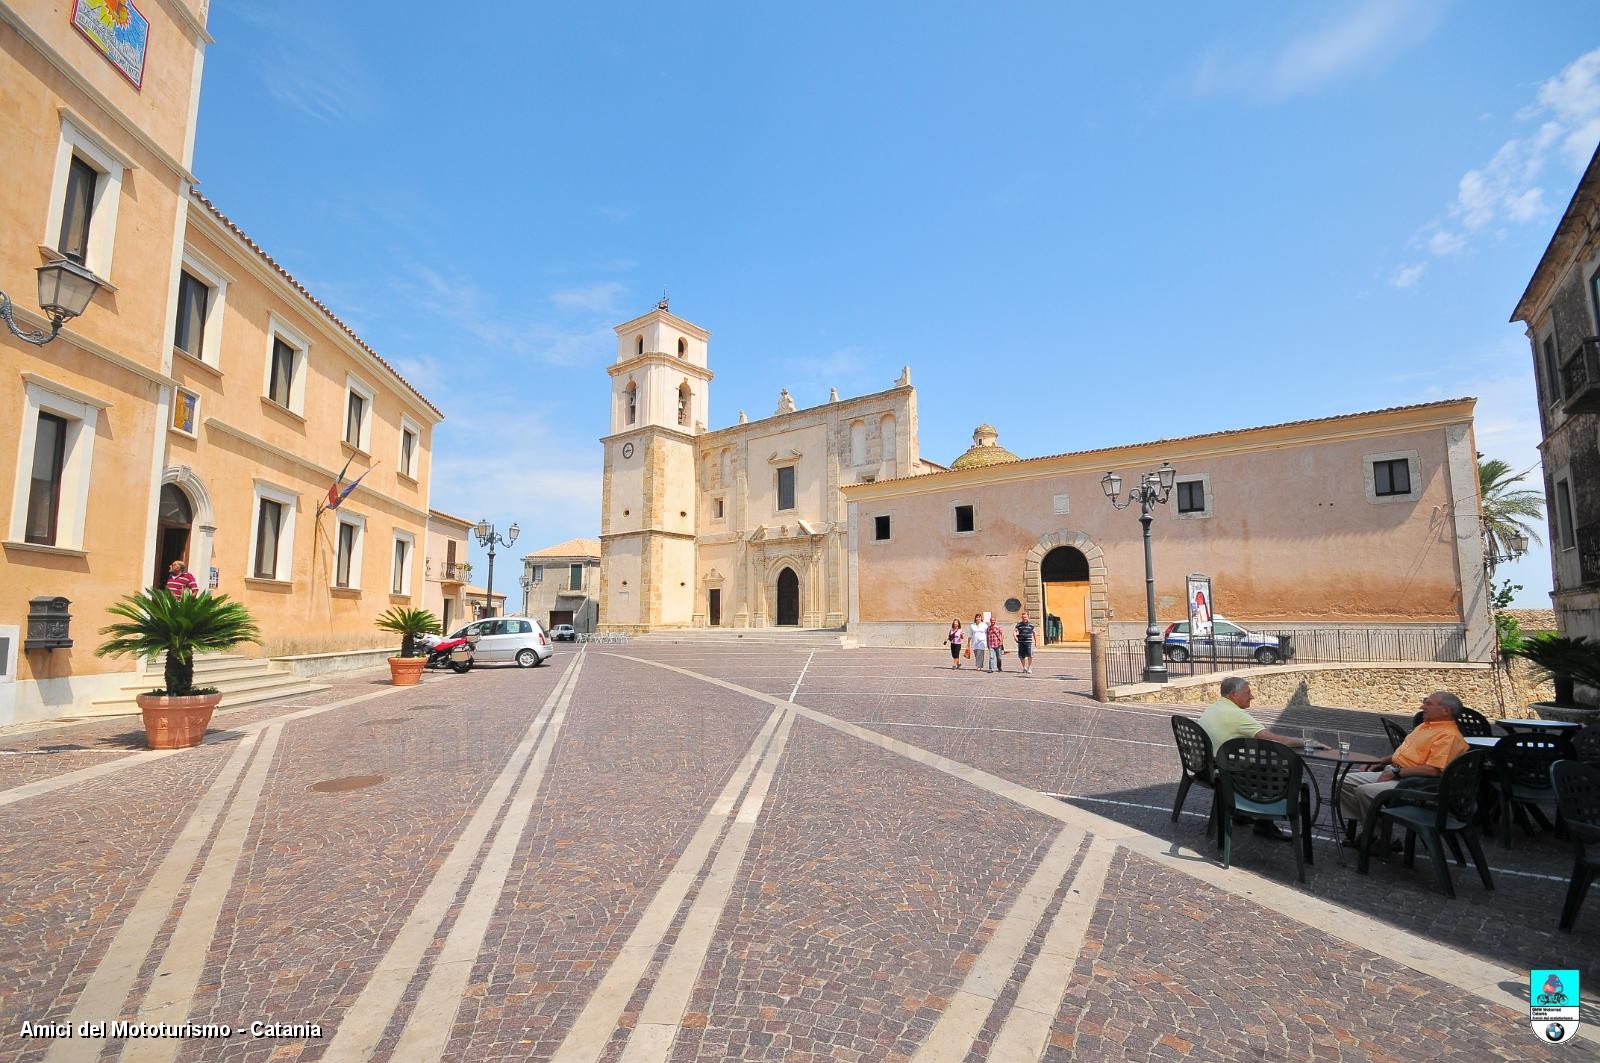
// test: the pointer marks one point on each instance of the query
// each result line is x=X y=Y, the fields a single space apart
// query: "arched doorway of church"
x=788 y=599
x=174 y=522
x=1065 y=574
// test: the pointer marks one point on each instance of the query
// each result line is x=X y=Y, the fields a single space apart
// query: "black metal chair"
x=1394 y=731
x=1441 y=816
x=1196 y=763
x=1578 y=796
x=1263 y=781
x=1522 y=762
x=1586 y=744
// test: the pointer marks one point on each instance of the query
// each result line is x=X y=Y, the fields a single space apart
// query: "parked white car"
x=507 y=639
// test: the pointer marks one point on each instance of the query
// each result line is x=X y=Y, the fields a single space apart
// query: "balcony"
x=453 y=572
x=1580 y=377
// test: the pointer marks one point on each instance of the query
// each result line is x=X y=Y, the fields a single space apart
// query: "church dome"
x=985 y=450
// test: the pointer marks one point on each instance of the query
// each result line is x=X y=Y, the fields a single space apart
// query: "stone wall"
x=1397 y=688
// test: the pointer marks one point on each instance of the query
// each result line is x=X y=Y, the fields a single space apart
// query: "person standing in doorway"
x=955 y=638
x=997 y=645
x=1024 y=633
x=978 y=633
x=180 y=580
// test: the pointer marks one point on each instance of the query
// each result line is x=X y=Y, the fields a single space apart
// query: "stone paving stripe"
x=367 y=1018
x=427 y=1032
x=1451 y=966
x=801 y=678
x=952 y=1036
x=598 y=1021
x=1027 y=1027
x=72 y=778
x=662 y=1014
x=1018 y=731
x=103 y=997
x=172 y=989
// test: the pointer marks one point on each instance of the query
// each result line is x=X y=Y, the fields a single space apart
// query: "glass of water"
x=1309 y=741
x=1344 y=745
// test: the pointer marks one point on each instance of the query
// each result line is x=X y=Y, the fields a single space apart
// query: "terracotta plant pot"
x=406 y=671
x=176 y=723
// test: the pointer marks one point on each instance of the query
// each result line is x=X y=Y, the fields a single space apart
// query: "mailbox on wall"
x=49 y=624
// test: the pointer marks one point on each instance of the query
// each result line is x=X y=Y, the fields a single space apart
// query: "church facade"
x=743 y=526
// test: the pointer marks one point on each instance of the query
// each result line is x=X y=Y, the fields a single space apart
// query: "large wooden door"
x=788 y=599
x=1065 y=575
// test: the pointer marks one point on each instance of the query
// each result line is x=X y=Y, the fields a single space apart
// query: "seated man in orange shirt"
x=1423 y=755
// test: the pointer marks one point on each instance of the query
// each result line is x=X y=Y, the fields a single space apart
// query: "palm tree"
x=156 y=621
x=1504 y=508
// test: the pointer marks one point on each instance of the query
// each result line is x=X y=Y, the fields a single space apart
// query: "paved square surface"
x=658 y=850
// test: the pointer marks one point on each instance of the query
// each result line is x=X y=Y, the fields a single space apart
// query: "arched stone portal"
x=788 y=611
x=1076 y=566
x=185 y=525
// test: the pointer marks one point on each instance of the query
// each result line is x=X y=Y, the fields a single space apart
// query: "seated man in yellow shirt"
x=1225 y=719
x=1425 y=753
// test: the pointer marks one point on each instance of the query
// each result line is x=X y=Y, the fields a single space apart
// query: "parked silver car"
x=506 y=639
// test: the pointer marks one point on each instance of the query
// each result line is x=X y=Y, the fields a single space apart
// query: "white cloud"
x=1359 y=38
x=312 y=70
x=1506 y=190
x=600 y=298
x=1407 y=276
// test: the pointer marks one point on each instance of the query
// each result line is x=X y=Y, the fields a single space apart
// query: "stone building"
x=561 y=583
x=447 y=569
x=1561 y=309
x=742 y=526
x=202 y=405
x=1366 y=519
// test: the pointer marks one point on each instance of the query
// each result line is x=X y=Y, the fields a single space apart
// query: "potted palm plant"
x=156 y=622
x=1569 y=663
x=405 y=670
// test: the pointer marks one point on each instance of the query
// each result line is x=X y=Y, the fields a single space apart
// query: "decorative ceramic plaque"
x=119 y=30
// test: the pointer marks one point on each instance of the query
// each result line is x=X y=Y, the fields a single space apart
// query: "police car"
x=1227 y=641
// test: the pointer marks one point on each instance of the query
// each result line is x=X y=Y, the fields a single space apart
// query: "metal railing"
x=1125 y=657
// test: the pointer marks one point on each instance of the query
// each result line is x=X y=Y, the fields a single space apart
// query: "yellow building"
x=202 y=404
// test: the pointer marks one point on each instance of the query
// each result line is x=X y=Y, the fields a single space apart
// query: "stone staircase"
x=788 y=638
x=242 y=680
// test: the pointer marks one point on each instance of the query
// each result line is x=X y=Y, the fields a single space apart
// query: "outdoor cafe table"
x=1342 y=764
x=1556 y=727
x=1485 y=742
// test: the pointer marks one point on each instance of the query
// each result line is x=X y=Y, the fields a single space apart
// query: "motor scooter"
x=454 y=654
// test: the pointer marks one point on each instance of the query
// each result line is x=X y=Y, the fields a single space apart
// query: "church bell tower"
x=660 y=388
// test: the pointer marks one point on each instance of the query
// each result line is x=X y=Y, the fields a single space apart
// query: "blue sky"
x=1167 y=219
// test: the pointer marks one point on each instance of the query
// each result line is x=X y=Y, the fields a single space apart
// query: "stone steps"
x=242 y=680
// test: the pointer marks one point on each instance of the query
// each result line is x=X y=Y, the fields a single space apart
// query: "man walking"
x=978 y=639
x=180 y=580
x=1024 y=636
x=997 y=645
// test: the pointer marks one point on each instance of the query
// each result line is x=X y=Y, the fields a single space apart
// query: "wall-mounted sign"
x=119 y=30
x=1201 y=606
x=216 y=577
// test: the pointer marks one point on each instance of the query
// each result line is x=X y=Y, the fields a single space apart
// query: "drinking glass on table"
x=1344 y=746
x=1309 y=742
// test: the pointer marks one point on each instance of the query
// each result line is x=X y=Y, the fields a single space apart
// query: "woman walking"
x=955 y=638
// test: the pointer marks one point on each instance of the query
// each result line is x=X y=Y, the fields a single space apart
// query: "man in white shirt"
x=978 y=639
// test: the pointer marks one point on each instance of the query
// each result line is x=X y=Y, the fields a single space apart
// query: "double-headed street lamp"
x=488 y=537
x=1153 y=489
x=65 y=289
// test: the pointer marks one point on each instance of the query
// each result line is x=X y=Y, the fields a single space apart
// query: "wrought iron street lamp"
x=489 y=538
x=65 y=289
x=1516 y=544
x=1153 y=489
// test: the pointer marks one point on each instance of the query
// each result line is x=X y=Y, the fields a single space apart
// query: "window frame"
x=889 y=527
x=283 y=562
x=575 y=569
x=972 y=518
x=216 y=282
x=1369 y=463
x=358 y=535
x=630 y=403
x=719 y=508
x=1550 y=359
x=82 y=414
x=409 y=469
x=55 y=481
x=1566 y=528
x=295 y=340
x=777 y=489
x=400 y=574
x=536 y=574
x=77 y=140
x=76 y=198
x=1204 y=480
x=1388 y=468
x=355 y=387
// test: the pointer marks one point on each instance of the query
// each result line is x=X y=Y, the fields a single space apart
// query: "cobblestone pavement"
x=658 y=851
